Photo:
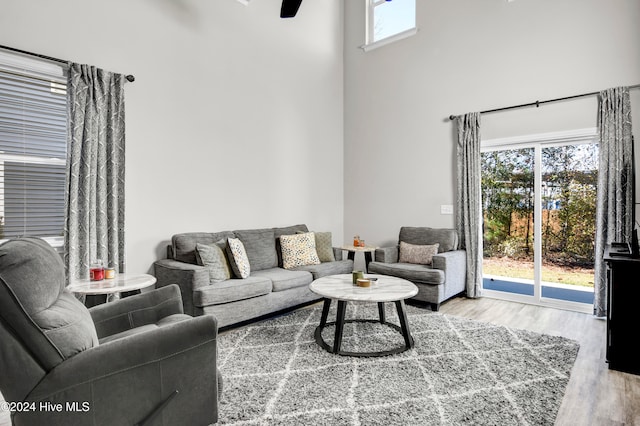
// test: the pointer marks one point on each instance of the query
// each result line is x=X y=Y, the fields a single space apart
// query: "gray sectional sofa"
x=444 y=278
x=269 y=288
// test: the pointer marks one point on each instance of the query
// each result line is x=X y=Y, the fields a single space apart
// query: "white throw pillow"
x=299 y=250
x=419 y=254
x=238 y=258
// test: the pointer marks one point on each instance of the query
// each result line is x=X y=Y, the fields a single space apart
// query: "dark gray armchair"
x=138 y=360
x=444 y=278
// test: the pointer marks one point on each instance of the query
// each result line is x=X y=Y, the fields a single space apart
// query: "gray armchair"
x=437 y=282
x=139 y=360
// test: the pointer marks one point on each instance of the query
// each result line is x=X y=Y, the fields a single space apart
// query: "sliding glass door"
x=508 y=234
x=539 y=222
x=569 y=179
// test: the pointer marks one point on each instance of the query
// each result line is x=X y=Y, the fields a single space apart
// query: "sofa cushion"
x=214 y=258
x=290 y=230
x=408 y=271
x=238 y=258
x=231 y=291
x=299 y=250
x=324 y=246
x=328 y=268
x=260 y=245
x=184 y=245
x=287 y=230
x=447 y=238
x=419 y=254
x=283 y=279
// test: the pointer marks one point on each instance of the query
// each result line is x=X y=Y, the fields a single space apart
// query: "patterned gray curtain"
x=614 y=221
x=94 y=226
x=469 y=198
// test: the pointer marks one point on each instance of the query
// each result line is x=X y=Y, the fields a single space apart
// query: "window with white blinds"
x=33 y=145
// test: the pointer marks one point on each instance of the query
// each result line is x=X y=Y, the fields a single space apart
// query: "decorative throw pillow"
x=299 y=250
x=215 y=260
x=238 y=258
x=420 y=254
x=324 y=246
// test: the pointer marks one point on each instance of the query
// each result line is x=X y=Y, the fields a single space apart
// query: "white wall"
x=235 y=119
x=236 y=116
x=469 y=55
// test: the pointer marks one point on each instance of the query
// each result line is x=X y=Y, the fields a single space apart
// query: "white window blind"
x=33 y=145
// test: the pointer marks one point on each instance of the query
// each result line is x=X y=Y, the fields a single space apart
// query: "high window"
x=33 y=145
x=389 y=20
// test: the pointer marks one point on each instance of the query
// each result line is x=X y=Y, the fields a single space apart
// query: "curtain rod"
x=538 y=103
x=130 y=78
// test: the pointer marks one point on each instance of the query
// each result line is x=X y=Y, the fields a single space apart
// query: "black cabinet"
x=623 y=321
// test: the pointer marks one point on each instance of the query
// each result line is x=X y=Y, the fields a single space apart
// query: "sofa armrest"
x=122 y=381
x=136 y=311
x=454 y=265
x=387 y=254
x=189 y=277
x=337 y=253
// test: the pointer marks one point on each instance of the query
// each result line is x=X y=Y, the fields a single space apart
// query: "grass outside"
x=512 y=268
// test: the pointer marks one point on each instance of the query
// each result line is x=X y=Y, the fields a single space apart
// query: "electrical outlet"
x=446 y=209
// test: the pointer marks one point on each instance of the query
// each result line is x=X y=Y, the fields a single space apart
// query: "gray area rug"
x=460 y=372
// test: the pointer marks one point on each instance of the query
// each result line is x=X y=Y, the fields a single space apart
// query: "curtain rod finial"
x=130 y=78
x=452 y=117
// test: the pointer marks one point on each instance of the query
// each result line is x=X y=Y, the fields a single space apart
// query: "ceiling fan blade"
x=289 y=8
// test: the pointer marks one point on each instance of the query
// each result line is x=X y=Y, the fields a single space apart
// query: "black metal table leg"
x=325 y=312
x=337 y=340
x=341 y=321
x=404 y=324
x=381 y=313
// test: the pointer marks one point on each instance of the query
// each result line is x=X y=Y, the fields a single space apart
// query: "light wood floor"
x=595 y=395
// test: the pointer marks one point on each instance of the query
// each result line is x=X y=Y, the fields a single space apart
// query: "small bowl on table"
x=363 y=282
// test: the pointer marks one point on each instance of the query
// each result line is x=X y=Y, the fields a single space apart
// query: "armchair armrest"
x=454 y=265
x=135 y=311
x=189 y=277
x=387 y=254
x=122 y=381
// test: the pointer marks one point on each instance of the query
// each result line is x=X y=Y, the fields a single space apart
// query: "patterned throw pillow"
x=238 y=258
x=324 y=246
x=299 y=250
x=215 y=260
x=422 y=255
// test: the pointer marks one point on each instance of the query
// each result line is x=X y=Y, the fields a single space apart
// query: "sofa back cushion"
x=446 y=238
x=260 y=245
x=290 y=230
x=184 y=245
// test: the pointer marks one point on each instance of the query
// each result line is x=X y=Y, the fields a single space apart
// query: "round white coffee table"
x=342 y=289
x=112 y=287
